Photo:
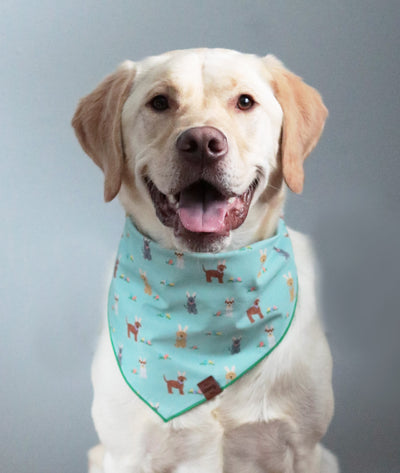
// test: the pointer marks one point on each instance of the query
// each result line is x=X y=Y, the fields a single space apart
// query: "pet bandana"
x=185 y=326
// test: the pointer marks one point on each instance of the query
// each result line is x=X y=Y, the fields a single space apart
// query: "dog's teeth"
x=172 y=200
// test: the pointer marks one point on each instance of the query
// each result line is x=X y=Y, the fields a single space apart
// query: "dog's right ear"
x=97 y=124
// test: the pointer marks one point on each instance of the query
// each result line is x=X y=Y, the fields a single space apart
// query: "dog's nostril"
x=215 y=146
x=187 y=143
x=190 y=145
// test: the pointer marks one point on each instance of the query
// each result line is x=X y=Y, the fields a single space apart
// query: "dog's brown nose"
x=203 y=143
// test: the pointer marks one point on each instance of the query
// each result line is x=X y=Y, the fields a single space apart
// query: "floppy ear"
x=304 y=115
x=97 y=124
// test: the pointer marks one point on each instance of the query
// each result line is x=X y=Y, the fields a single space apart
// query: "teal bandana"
x=185 y=326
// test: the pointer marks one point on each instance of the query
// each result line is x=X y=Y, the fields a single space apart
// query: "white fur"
x=272 y=419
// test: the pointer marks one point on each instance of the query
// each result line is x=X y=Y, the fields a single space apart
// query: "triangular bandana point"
x=177 y=319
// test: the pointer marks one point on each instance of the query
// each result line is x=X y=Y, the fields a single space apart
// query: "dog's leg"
x=329 y=463
x=96 y=459
x=136 y=440
x=117 y=415
x=273 y=446
x=196 y=448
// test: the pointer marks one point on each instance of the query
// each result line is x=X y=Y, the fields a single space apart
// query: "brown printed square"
x=209 y=387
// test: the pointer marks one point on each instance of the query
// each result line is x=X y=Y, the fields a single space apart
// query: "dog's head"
x=197 y=144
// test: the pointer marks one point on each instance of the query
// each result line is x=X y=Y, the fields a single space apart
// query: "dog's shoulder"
x=303 y=253
x=307 y=273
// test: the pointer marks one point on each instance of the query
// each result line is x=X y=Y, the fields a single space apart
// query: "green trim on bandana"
x=177 y=318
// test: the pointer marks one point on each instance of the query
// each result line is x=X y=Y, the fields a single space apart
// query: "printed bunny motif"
x=181 y=336
x=290 y=283
x=230 y=373
x=147 y=287
x=191 y=303
x=263 y=259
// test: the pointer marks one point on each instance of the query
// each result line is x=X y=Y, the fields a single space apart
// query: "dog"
x=255 y=309
x=233 y=129
x=133 y=328
x=215 y=273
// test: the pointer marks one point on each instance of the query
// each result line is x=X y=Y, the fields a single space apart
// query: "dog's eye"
x=245 y=102
x=159 y=103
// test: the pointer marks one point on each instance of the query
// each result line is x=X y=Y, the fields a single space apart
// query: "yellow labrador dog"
x=236 y=127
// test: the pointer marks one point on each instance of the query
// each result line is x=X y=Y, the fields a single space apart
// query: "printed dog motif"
x=229 y=306
x=147 y=287
x=230 y=373
x=176 y=383
x=180 y=261
x=284 y=253
x=191 y=303
x=143 y=369
x=254 y=310
x=115 y=305
x=290 y=283
x=270 y=336
x=215 y=273
x=146 y=249
x=181 y=336
x=116 y=266
x=235 y=348
x=119 y=356
x=133 y=328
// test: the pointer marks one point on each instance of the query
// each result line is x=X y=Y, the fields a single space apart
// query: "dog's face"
x=201 y=133
x=193 y=144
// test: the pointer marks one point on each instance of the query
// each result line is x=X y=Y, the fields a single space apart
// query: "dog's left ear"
x=304 y=116
x=97 y=124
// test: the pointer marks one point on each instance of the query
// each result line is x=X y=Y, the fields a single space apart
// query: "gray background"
x=58 y=237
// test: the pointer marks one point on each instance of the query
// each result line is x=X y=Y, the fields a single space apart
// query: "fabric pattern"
x=177 y=318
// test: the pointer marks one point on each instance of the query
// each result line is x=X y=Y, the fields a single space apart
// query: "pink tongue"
x=202 y=208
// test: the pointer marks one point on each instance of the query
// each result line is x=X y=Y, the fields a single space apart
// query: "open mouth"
x=201 y=209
